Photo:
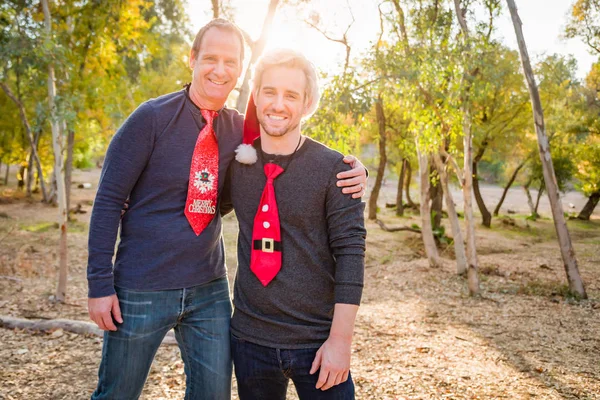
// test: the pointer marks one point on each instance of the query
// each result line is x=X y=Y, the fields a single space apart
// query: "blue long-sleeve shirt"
x=149 y=160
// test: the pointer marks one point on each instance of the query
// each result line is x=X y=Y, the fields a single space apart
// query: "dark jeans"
x=200 y=316
x=263 y=373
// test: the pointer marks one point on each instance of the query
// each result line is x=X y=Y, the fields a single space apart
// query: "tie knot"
x=272 y=171
x=209 y=116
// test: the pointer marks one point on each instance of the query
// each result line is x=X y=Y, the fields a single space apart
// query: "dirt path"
x=418 y=334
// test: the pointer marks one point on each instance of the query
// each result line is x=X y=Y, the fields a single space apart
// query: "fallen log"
x=397 y=229
x=79 y=327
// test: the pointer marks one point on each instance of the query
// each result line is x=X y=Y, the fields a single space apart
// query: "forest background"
x=426 y=92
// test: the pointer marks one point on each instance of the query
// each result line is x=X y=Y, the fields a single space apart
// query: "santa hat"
x=245 y=152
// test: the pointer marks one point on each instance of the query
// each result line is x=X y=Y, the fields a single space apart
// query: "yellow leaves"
x=581 y=10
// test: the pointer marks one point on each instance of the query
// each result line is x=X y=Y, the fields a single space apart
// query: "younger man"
x=300 y=247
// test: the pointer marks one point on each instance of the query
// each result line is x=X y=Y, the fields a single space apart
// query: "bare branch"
x=396 y=229
x=216 y=8
x=248 y=38
x=342 y=41
x=402 y=23
x=491 y=26
x=352 y=15
x=457 y=169
x=460 y=14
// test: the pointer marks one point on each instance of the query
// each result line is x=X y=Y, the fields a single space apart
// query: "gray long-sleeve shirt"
x=323 y=245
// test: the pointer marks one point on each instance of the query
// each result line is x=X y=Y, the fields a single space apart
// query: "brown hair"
x=221 y=24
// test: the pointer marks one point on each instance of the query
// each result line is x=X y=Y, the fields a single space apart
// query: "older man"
x=300 y=247
x=170 y=159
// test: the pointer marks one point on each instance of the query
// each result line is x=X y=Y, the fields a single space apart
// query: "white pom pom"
x=246 y=154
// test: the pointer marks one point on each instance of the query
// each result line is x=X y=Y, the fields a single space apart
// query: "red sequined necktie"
x=201 y=204
x=265 y=259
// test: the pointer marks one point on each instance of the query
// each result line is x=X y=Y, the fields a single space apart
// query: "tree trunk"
x=7 y=175
x=40 y=173
x=215 y=8
x=589 y=207
x=399 y=202
x=472 y=278
x=564 y=238
x=52 y=190
x=30 y=173
x=61 y=289
x=257 y=49
x=486 y=217
x=459 y=246
x=382 y=159
x=539 y=197
x=69 y=165
x=409 y=201
x=51 y=325
x=426 y=228
x=529 y=199
x=436 y=193
x=508 y=185
x=21 y=177
x=30 y=160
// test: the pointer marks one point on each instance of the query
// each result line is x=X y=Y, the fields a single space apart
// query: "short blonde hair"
x=291 y=59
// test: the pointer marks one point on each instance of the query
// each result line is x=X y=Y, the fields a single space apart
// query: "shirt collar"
x=193 y=107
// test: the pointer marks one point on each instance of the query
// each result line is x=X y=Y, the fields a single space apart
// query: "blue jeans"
x=200 y=316
x=263 y=373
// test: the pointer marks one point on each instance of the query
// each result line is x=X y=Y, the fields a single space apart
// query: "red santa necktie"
x=266 y=236
x=201 y=204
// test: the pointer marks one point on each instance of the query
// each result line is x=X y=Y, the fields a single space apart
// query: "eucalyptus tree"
x=56 y=125
x=564 y=238
x=420 y=62
x=78 y=68
x=584 y=23
x=588 y=174
x=501 y=118
x=20 y=31
x=587 y=171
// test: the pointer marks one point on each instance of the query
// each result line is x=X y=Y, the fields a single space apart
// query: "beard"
x=277 y=132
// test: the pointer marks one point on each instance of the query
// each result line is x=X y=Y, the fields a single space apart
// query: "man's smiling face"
x=216 y=68
x=281 y=100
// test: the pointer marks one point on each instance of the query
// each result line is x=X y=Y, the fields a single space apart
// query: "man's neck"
x=282 y=145
x=202 y=103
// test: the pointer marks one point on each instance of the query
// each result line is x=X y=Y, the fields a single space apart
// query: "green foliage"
x=584 y=23
x=338 y=121
x=587 y=171
x=440 y=234
x=108 y=58
x=111 y=56
x=40 y=227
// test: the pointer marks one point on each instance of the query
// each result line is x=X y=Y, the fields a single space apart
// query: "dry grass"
x=418 y=334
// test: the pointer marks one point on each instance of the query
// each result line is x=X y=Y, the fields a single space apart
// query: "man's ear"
x=192 y=59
